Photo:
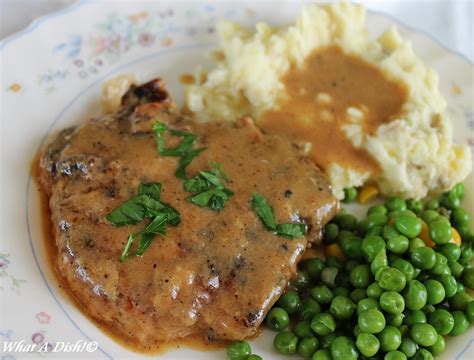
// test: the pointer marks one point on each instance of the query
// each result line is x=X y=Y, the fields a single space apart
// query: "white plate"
x=51 y=78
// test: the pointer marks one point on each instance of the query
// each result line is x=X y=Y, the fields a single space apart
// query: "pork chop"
x=213 y=276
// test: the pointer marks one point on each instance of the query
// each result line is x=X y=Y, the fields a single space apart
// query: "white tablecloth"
x=450 y=22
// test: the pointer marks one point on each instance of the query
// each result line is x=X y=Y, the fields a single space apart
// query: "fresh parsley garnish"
x=265 y=212
x=184 y=150
x=145 y=205
x=209 y=188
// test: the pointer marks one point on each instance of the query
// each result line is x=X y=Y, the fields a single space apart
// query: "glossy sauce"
x=214 y=276
x=314 y=108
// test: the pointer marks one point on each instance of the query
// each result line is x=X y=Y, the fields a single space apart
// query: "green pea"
x=423 y=354
x=428 y=309
x=343 y=348
x=466 y=252
x=456 y=269
x=395 y=204
x=414 y=205
x=346 y=222
x=430 y=215
x=423 y=258
x=415 y=295
x=414 y=317
x=408 y=347
x=389 y=231
x=290 y=302
x=374 y=219
x=277 y=319
x=458 y=190
x=323 y=324
x=408 y=225
x=341 y=291
x=379 y=272
x=352 y=247
x=374 y=291
x=366 y=304
x=334 y=261
x=303 y=329
x=358 y=294
x=395 y=355
x=375 y=231
x=449 y=284
x=461 y=323
x=390 y=338
x=440 y=231
x=398 y=244
x=371 y=321
x=254 y=357
x=460 y=217
x=331 y=231
x=379 y=208
x=392 y=279
x=380 y=261
x=329 y=275
x=342 y=307
x=307 y=346
x=415 y=243
x=322 y=354
x=322 y=294
x=301 y=281
x=326 y=341
x=405 y=267
x=435 y=290
x=367 y=344
x=309 y=308
x=438 y=347
x=423 y=334
x=371 y=246
x=468 y=278
x=360 y=276
x=460 y=301
x=285 y=342
x=392 y=302
x=459 y=288
x=449 y=201
x=470 y=312
x=441 y=265
x=432 y=204
x=395 y=320
x=239 y=350
x=350 y=194
x=314 y=267
x=442 y=321
x=403 y=328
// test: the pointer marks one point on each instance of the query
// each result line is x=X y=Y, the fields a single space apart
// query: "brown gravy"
x=212 y=277
x=349 y=81
x=195 y=342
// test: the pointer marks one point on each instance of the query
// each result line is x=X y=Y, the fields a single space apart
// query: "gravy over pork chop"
x=213 y=276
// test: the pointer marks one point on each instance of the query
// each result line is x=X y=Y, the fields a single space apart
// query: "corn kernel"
x=334 y=250
x=367 y=193
x=425 y=235
x=456 y=238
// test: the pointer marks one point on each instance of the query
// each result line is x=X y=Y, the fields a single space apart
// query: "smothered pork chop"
x=219 y=214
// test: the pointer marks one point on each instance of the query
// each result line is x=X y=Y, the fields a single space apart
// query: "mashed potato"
x=415 y=151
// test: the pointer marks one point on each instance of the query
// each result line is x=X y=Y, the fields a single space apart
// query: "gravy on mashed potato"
x=404 y=142
x=329 y=91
